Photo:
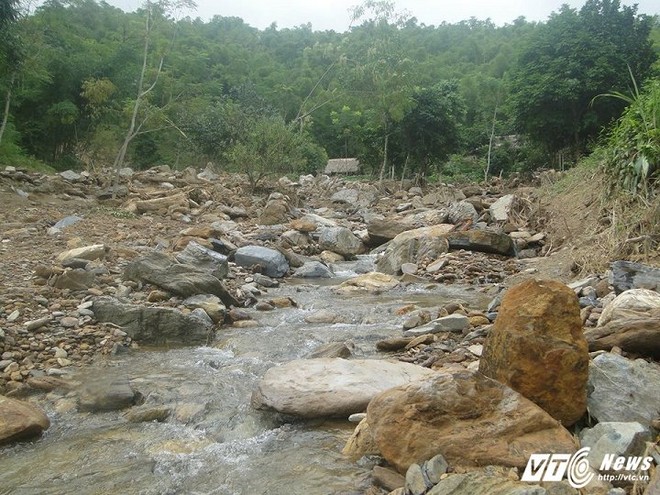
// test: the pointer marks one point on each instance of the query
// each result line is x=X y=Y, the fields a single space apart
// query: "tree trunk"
x=384 y=165
x=5 y=114
x=405 y=168
x=490 y=145
x=130 y=134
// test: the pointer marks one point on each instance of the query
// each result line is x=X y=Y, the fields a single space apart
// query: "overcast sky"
x=333 y=14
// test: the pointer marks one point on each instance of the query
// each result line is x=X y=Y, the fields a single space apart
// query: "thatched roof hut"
x=343 y=166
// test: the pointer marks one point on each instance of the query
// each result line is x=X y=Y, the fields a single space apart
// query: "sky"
x=334 y=14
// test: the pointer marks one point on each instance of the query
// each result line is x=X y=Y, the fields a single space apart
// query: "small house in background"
x=343 y=166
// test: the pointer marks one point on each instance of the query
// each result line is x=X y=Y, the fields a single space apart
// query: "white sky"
x=333 y=14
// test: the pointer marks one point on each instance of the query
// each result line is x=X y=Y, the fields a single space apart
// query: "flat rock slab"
x=152 y=325
x=317 y=388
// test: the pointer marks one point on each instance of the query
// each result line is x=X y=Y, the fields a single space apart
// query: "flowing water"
x=214 y=442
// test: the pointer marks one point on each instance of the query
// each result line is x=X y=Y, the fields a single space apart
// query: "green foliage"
x=432 y=128
x=633 y=146
x=569 y=60
x=378 y=92
x=267 y=147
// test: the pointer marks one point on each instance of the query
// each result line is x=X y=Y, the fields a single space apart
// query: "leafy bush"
x=633 y=145
x=268 y=147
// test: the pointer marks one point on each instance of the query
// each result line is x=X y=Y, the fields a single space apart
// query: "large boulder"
x=272 y=262
x=341 y=240
x=470 y=419
x=205 y=259
x=152 y=325
x=326 y=387
x=20 y=420
x=462 y=211
x=634 y=303
x=384 y=229
x=413 y=246
x=622 y=390
x=485 y=241
x=536 y=347
x=181 y=279
x=500 y=209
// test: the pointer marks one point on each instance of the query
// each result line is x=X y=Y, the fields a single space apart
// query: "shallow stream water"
x=214 y=442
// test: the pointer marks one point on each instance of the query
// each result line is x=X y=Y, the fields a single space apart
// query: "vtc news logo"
x=576 y=468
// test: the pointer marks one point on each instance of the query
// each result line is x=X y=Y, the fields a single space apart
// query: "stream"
x=214 y=442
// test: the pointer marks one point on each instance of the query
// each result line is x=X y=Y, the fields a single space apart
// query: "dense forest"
x=84 y=84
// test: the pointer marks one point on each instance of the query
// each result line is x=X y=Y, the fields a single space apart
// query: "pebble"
x=37 y=324
x=13 y=316
x=69 y=322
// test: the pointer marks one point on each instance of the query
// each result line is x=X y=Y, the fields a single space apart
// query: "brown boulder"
x=470 y=419
x=20 y=420
x=537 y=348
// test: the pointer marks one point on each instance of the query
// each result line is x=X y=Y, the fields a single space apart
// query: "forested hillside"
x=83 y=84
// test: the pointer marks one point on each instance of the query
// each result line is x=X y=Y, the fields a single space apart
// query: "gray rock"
x=272 y=262
x=619 y=439
x=500 y=209
x=412 y=246
x=316 y=388
x=340 y=240
x=95 y=252
x=416 y=481
x=628 y=275
x=434 y=468
x=462 y=211
x=482 y=240
x=70 y=175
x=126 y=172
x=62 y=224
x=103 y=394
x=265 y=281
x=181 y=279
x=622 y=390
x=331 y=350
x=152 y=325
x=346 y=196
x=204 y=259
x=450 y=323
x=313 y=269
x=212 y=305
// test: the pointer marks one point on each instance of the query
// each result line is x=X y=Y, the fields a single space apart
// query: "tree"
x=571 y=59
x=432 y=127
x=378 y=68
x=268 y=147
x=153 y=12
x=10 y=53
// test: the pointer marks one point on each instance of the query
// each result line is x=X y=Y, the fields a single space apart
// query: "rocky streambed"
x=180 y=334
